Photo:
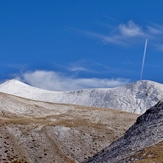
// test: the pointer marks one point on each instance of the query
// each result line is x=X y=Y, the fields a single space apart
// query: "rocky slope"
x=39 y=132
x=147 y=131
x=152 y=154
x=135 y=97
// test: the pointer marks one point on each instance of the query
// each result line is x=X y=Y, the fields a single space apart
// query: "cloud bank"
x=55 y=81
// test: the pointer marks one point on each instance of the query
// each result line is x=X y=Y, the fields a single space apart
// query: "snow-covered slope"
x=135 y=97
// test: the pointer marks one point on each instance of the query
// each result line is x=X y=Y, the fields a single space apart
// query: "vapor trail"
x=142 y=68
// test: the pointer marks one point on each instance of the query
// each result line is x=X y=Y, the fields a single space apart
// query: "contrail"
x=145 y=48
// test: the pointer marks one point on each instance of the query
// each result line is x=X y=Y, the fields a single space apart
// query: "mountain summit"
x=147 y=131
x=135 y=97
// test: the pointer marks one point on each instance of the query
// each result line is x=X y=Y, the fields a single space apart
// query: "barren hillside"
x=39 y=132
x=144 y=136
x=148 y=155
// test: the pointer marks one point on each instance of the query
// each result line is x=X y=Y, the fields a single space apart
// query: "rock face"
x=147 y=131
x=135 y=97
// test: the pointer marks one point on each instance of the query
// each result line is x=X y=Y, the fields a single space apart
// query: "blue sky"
x=75 y=44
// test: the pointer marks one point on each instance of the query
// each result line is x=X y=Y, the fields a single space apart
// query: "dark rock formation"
x=147 y=131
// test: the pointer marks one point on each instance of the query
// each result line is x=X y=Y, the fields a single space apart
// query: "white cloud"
x=114 y=38
x=78 y=68
x=125 y=34
x=130 y=30
x=56 y=81
x=154 y=30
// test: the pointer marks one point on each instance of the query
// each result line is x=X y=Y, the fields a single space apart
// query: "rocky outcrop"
x=147 y=131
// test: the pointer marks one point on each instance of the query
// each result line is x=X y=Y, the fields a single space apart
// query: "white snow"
x=135 y=97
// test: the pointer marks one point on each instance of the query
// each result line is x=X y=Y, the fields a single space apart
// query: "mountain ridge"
x=135 y=97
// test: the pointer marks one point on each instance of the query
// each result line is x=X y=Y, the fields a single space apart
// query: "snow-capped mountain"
x=135 y=97
x=37 y=131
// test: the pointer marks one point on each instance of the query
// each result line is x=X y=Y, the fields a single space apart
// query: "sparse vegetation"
x=57 y=133
x=153 y=154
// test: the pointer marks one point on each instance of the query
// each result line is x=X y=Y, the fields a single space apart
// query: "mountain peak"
x=13 y=82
